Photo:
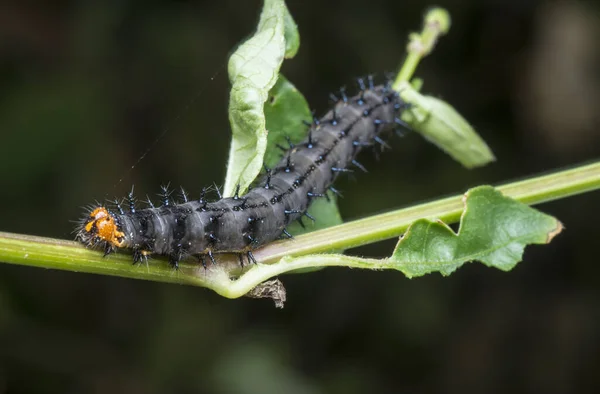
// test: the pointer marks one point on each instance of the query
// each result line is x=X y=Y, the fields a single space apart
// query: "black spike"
x=118 y=205
x=361 y=83
x=241 y=258
x=299 y=220
x=211 y=257
x=336 y=169
x=250 y=238
x=357 y=164
x=268 y=182
x=150 y=202
x=289 y=141
x=311 y=217
x=310 y=143
x=343 y=94
x=202 y=260
x=183 y=194
x=333 y=98
x=381 y=142
x=108 y=249
x=212 y=237
x=251 y=257
x=288 y=164
x=361 y=144
x=165 y=195
x=242 y=206
x=136 y=256
x=335 y=191
x=202 y=199
x=402 y=123
x=287 y=233
x=215 y=218
x=236 y=195
x=218 y=191
x=174 y=260
x=370 y=81
x=131 y=201
x=402 y=105
x=281 y=147
x=361 y=98
x=139 y=256
x=334 y=117
x=400 y=133
x=316 y=120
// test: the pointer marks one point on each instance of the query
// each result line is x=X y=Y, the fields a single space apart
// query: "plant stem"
x=392 y=224
x=71 y=256
x=436 y=23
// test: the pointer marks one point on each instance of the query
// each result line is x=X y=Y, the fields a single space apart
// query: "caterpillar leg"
x=140 y=256
x=202 y=260
x=108 y=249
x=249 y=257
x=174 y=259
x=211 y=256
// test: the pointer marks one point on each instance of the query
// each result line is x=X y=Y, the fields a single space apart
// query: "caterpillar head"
x=101 y=226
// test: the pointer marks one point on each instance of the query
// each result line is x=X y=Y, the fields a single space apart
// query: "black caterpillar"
x=282 y=195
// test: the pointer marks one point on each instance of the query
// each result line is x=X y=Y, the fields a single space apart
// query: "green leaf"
x=494 y=229
x=439 y=123
x=285 y=111
x=292 y=37
x=253 y=70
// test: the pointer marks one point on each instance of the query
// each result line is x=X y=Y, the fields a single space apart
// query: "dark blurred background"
x=85 y=89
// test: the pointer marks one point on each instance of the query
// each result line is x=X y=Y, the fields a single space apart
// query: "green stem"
x=392 y=224
x=71 y=256
x=436 y=23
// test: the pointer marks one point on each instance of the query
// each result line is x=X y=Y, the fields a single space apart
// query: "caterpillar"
x=240 y=224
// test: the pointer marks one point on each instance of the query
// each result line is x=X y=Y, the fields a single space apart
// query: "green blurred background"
x=85 y=89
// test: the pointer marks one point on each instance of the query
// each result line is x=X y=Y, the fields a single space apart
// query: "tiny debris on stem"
x=272 y=289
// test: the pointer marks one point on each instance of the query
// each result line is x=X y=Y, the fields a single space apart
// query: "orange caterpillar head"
x=100 y=226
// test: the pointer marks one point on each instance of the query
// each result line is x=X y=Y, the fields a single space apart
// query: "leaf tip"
x=557 y=230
